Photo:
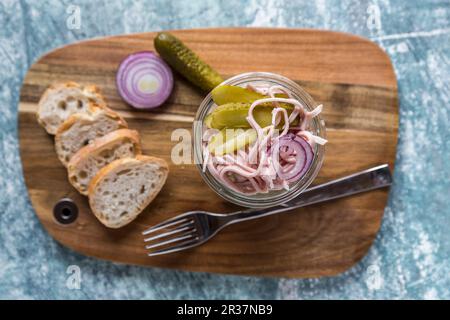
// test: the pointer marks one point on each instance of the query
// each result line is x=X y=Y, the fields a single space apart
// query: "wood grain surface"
x=353 y=79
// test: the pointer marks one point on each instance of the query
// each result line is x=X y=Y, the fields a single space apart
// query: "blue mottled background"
x=411 y=255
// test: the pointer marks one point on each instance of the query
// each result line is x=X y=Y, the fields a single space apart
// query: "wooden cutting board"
x=351 y=76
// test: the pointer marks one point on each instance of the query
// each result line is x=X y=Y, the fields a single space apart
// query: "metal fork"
x=194 y=228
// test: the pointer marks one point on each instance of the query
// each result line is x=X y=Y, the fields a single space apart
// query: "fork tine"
x=163 y=243
x=183 y=227
x=178 y=247
x=165 y=224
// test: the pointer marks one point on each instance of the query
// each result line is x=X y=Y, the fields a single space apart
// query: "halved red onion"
x=290 y=146
x=144 y=80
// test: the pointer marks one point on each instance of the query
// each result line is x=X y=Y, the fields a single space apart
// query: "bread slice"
x=85 y=164
x=81 y=129
x=121 y=190
x=62 y=100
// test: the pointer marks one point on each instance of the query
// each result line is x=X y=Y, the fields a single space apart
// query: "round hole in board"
x=65 y=211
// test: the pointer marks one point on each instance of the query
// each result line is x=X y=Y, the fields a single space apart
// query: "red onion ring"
x=144 y=80
x=291 y=145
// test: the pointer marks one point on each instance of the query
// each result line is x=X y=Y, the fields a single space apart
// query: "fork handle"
x=370 y=179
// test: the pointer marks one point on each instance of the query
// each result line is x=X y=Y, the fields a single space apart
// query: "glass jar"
x=274 y=197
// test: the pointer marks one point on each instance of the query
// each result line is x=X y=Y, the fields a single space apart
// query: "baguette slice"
x=121 y=190
x=81 y=129
x=85 y=164
x=62 y=100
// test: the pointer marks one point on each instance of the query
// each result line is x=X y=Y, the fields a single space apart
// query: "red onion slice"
x=290 y=146
x=144 y=80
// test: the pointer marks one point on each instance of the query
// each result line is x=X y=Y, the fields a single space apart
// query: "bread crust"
x=118 y=164
x=99 y=143
x=66 y=125
x=91 y=92
x=63 y=119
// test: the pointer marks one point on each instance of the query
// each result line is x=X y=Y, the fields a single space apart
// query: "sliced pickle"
x=208 y=120
x=229 y=140
x=234 y=115
x=226 y=94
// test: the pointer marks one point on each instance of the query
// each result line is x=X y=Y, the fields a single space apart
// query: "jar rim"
x=273 y=197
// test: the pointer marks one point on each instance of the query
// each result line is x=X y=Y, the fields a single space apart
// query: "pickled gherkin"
x=234 y=115
x=226 y=94
x=229 y=140
x=186 y=62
